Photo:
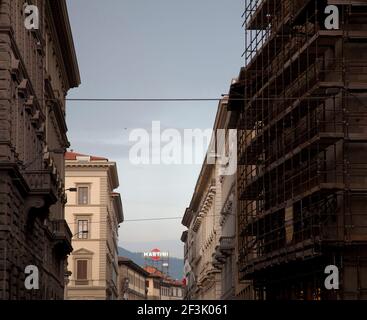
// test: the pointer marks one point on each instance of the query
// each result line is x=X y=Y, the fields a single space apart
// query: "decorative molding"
x=77 y=254
x=58 y=16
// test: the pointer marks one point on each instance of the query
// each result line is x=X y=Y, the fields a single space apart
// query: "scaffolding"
x=302 y=149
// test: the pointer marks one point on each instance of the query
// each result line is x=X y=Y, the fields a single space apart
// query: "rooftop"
x=154 y=272
x=70 y=155
x=131 y=264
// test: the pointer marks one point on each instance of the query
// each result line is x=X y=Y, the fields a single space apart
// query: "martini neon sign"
x=156 y=254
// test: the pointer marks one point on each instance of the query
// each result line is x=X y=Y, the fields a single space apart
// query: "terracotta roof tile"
x=73 y=156
x=155 y=272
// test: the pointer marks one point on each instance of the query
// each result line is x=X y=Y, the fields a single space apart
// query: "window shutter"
x=82 y=268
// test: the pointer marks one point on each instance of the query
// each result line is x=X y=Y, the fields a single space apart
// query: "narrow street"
x=175 y=151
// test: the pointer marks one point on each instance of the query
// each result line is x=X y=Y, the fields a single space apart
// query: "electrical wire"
x=142 y=99
x=172 y=218
x=154 y=219
x=224 y=97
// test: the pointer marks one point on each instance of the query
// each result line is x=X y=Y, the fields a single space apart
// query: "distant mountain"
x=175 y=264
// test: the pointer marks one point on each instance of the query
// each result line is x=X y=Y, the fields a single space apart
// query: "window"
x=83 y=229
x=83 y=195
x=81 y=272
x=156 y=284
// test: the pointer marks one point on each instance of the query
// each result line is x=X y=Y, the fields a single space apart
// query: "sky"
x=150 y=49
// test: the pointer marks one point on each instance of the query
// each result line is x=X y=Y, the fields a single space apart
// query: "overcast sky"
x=150 y=49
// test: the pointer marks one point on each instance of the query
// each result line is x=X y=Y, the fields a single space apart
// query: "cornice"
x=205 y=206
x=87 y=165
x=187 y=218
x=60 y=27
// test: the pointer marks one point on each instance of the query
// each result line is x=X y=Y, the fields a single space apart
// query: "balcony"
x=218 y=258
x=42 y=192
x=226 y=245
x=62 y=237
x=40 y=182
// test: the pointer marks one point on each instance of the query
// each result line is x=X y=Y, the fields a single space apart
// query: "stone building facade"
x=203 y=277
x=160 y=286
x=211 y=221
x=225 y=249
x=37 y=69
x=93 y=213
x=171 y=289
x=132 y=280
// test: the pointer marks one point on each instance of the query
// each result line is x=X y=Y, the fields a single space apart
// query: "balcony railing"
x=41 y=182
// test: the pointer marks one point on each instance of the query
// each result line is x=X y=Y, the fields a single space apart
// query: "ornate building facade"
x=210 y=260
x=37 y=69
x=93 y=213
x=202 y=221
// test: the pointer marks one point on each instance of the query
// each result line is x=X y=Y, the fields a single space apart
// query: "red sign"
x=156 y=254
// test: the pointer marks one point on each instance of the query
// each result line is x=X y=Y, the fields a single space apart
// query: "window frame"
x=77 y=218
x=81 y=186
x=79 y=281
x=81 y=233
